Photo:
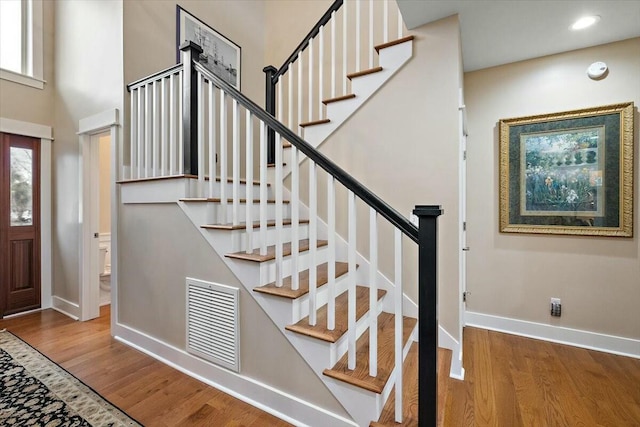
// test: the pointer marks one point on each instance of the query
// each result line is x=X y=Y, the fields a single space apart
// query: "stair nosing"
x=401 y=40
x=243 y=225
x=314 y=123
x=377 y=384
x=326 y=335
x=362 y=73
x=339 y=98
x=229 y=201
x=270 y=288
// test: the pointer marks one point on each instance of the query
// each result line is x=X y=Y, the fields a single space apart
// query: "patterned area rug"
x=34 y=391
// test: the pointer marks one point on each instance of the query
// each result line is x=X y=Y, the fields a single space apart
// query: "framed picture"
x=219 y=55
x=568 y=173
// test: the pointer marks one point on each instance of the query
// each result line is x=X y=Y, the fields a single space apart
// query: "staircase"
x=352 y=324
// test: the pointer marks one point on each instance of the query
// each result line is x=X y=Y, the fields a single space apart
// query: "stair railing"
x=217 y=126
x=297 y=92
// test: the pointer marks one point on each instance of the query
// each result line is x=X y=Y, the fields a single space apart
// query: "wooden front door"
x=19 y=224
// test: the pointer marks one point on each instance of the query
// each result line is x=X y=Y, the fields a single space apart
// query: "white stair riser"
x=239 y=239
x=300 y=306
x=268 y=272
x=217 y=191
x=217 y=213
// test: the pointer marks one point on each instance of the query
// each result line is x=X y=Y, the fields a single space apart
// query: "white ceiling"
x=499 y=32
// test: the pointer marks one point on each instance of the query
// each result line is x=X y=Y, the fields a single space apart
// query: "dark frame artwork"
x=568 y=173
x=220 y=55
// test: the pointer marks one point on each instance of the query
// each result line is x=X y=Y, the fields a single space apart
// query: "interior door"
x=19 y=224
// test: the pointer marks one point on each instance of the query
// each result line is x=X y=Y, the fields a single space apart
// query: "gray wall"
x=515 y=275
x=159 y=248
x=88 y=81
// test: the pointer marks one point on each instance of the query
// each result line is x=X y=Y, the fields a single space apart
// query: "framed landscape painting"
x=568 y=173
x=219 y=55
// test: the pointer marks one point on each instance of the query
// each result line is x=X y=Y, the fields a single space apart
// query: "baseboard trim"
x=445 y=340
x=269 y=399
x=575 y=337
x=65 y=307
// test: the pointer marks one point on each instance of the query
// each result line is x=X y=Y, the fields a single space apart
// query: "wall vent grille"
x=213 y=323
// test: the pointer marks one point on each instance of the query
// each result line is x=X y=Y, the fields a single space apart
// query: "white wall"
x=88 y=81
x=515 y=275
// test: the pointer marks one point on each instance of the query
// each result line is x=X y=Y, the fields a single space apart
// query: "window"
x=21 y=41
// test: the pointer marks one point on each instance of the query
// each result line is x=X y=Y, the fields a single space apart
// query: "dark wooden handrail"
x=393 y=216
x=305 y=42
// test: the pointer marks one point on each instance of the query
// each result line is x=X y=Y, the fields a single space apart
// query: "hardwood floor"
x=515 y=381
x=510 y=381
x=149 y=391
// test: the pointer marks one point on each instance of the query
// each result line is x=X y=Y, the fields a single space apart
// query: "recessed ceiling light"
x=584 y=22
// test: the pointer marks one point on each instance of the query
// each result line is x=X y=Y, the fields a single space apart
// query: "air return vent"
x=213 y=323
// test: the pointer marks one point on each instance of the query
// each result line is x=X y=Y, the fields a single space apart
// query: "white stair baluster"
x=134 y=133
x=371 y=43
x=141 y=118
x=278 y=184
x=331 y=255
x=164 y=122
x=156 y=128
x=279 y=98
x=313 y=241
x=148 y=134
x=373 y=293
x=295 y=218
x=263 y=188
x=290 y=98
x=201 y=152
x=358 y=35
x=398 y=322
x=300 y=119
x=345 y=68
x=235 y=212
x=212 y=139
x=351 y=312
x=385 y=22
x=172 y=124
x=249 y=181
x=400 y=24
x=333 y=54
x=321 y=72
x=223 y=157
x=310 y=112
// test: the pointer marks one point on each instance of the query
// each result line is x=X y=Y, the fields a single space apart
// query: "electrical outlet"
x=556 y=307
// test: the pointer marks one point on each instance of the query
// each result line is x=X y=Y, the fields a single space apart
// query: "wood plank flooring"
x=149 y=391
x=514 y=381
x=510 y=381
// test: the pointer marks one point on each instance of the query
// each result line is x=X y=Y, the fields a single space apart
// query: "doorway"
x=20 y=265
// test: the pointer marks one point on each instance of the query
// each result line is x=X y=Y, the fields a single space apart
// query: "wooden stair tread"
x=379 y=47
x=320 y=330
x=273 y=165
x=313 y=123
x=364 y=72
x=286 y=144
x=410 y=391
x=242 y=225
x=339 y=98
x=285 y=290
x=271 y=251
x=386 y=358
x=218 y=200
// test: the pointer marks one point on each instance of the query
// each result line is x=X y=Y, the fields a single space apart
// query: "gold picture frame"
x=568 y=173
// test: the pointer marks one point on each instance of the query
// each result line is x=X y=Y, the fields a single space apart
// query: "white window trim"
x=35 y=51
